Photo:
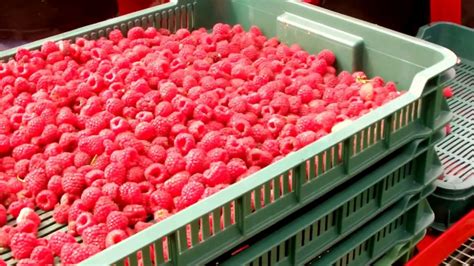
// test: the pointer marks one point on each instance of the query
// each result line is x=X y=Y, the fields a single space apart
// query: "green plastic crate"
x=401 y=253
x=454 y=196
x=401 y=180
x=414 y=64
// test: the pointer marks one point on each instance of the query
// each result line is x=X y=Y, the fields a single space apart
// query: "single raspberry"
x=24 y=151
x=114 y=237
x=6 y=233
x=161 y=200
x=3 y=215
x=59 y=239
x=43 y=255
x=116 y=173
x=116 y=220
x=75 y=210
x=305 y=138
x=15 y=207
x=90 y=196
x=136 y=174
x=217 y=174
x=81 y=158
x=327 y=120
x=140 y=226
x=190 y=194
x=234 y=147
x=156 y=153
x=135 y=213
x=46 y=200
x=93 y=175
x=288 y=145
x=211 y=140
x=60 y=213
x=156 y=173
x=145 y=131
x=236 y=167
x=103 y=207
x=217 y=155
x=22 y=244
x=168 y=90
x=84 y=221
x=175 y=184
x=130 y=193
x=174 y=163
x=73 y=183
x=162 y=125
x=328 y=56
x=92 y=145
x=184 y=142
x=272 y=146
x=73 y=253
x=448 y=92
x=258 y=157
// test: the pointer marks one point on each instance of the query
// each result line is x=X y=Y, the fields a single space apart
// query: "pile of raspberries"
x=116 y=134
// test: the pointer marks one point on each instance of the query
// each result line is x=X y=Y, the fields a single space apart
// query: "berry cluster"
x=108 y=133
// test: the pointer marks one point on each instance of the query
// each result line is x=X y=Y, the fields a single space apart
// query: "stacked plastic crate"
x=354 y=195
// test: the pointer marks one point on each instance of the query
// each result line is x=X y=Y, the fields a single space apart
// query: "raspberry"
x=28 y=262
x=190 y=194
x=234 y=147
x=174 y=163
x=196 y=161
x=36 y=181
x=448 y=92
x=4 y=144
x=46 y=200
x=60 y=213
x=75 y=210
x=22 y=244
x=327 y=56
x=73 y=183
x=81 y=158
x=116 y=220
x=305 y=123
x=257 y=157
x=92 y=145
x=175 y=184
x=24 y=151
x=103 y=207
x=3 y=215
x=211 y=140
x=161 y=200
x=163 y=108
x=43 y=255
x=59 y=239
x=203 y=113
x=90 y=196
x=130 y=193
x=73 y=253
x=217 y=174
x=156 y=173
x=84 y=221
x=184 y=142
x=168 y=90
x=217 y=155
x=236 y=167
x=160 y=215
x=156 y=153
x=140 y=226
x=114 y=237
x=145 y=131
x=305 y=138
x=115 y=173
x=135 y=213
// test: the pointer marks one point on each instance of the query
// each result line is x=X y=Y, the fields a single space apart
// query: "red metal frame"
x=446 y=243
x=446 y=10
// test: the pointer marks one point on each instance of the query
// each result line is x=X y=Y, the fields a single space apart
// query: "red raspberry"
x=145 y=131
x=305 y=123
x=305 y=138
x=196 y=161
x=114 y=237
x=110 y=190
x=59 y=239
x=35 y=126
x=328 y=56
x=136 y=174
x=156 y=173
x=190 y=194
x=22 y=167
x=234 y=147
x=326 y=119
x=135 y=33
x=217 y=174
x=4 y=144
x=93 y=175
x=116 y=220
x=305 y=94
x=203 y=113
x=211 y=140
x=275 y=124
x=90 y=196
x=84 y=221
x=257 y=157
x=103 y=207
x=161 y=200
x=22 y=244
x=184 y=142
x=168 y=91
x=36 y=181
x=24 y=151
x=46 y=200
x=140 y=226
x=3 y=215
x=236 y=167
x=73 y=183
x=75 y=210
x=135 y=213
x=156 y=153
x=92 y=145
x=115 y=36
x=73 y=253
x=28 y=262
x=130 y=193
x=60 y=213
x=448 y=92
x=116 y=173
x=81 y=158
x=238 y=104
x=119 y=125
x=114 y=106
x=43 y=255
x=163 y=109
x=175 y=184
x=217 y=155
x=174 y=163
x=6 y=232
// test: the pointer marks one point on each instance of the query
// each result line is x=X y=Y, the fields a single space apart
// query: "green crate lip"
x=396 y=253
x=180 y=219
x=299 y=224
